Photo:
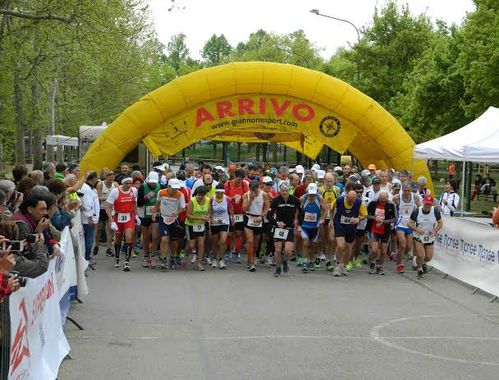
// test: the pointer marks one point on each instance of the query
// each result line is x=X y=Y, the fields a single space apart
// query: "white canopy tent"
x=463 y=144
x=477 y=141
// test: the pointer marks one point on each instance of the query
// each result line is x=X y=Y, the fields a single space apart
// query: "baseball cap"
x=320 y=174
x=299 y=169
x=312 y=188
x=338 y=169
x=153 y=177
x=267 y=179
x=396 y=185
x=428 y=200
x=162 y=167
x=174 y=183
x=316 y=167
x=284 y=185
x=219 y=168
x=365 y=172
x=371 y=167
x=376 y=180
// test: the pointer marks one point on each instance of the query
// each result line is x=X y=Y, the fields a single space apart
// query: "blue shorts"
x=170 y=230
x=406 y=230
x=311 y=234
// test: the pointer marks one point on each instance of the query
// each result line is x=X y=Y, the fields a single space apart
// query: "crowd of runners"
x=322 y=218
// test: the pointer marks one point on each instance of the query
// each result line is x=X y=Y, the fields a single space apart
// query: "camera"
x=22 y=280
x=31 y=238
x=15 y=245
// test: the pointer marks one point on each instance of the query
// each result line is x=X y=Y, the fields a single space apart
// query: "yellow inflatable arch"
x=258 y=102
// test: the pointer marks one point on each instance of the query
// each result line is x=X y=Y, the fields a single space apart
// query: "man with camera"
x=9 y=282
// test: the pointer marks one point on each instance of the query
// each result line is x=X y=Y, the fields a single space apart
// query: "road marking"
x=112 y=337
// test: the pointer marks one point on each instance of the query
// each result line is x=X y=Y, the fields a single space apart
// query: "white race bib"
x=169 y=219
x=345 y=219
x=310 y=217
x=149 y=210
x=328 y=214
x=281 y=233
x=426 y=239
x=238 y=218
x=123 y=217
x=198 y=227
x=218 y=221
x=254 y=222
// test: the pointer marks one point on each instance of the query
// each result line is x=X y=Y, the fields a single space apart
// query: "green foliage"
x=217 y=50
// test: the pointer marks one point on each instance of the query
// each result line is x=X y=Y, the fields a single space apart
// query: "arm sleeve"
x=87 y=205
x=414 y=215
x=270 y=212
x=182 y=201
x=453 y=206
x=140 y=197
x=438 y=214
x=113 y=195
x=36 y=266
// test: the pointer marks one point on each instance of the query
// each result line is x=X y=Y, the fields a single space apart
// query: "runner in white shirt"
x=426 y=221
x=222 y=217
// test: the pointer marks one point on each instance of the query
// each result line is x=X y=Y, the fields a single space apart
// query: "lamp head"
x=314 y=11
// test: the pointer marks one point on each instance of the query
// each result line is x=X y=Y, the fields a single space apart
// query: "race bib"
x=238 y=218
x=254 y=222
x=149 y=210
x=123 y=217
x=426 y=239
x=345 y=219
x=198 y=227
x=281 y=233
x=218 y=221
x=310 y=217
x=169 y=219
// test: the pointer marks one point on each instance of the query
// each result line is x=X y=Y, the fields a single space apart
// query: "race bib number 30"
x=123 y=217
x=281 y=233
x=238 y=218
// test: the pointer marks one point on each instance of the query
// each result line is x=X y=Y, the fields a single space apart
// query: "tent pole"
x=462 y=189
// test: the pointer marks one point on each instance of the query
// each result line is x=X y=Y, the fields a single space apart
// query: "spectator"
x=25 y=186
x=74 y=168
x=449 y=201
x=4 y=211
x=495 y=217
x=488 y=187
x=90 y=212
x=60 y=171
x=451 y=170
x=19 y=172
x=59 y=215
x=478 y=184
x=33 y=260
x=14 y=198
x=48 y=171
x=124 y=172
x=37 y=176
x=31 y=217
x=8 y=284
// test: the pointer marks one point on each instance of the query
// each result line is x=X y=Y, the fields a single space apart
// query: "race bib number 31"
x=123 y=217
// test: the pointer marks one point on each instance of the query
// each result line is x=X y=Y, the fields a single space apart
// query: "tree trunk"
x=285 y=154
x=274 y=152
x=51 y=129
x=264 y=152
x=249 y=147
x=2 y=165
x=214 y=144
x=257 y=153
x=35 y=120
x=239 y=151
x=19 y=109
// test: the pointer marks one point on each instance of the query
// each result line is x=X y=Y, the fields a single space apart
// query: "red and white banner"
x=468 y=251
x=38 y=343
x=79 y=251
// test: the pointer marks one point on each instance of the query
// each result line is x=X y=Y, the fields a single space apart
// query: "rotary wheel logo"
x=330 y=126
x=264 y=136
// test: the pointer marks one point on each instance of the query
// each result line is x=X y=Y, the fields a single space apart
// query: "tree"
x=216 y=50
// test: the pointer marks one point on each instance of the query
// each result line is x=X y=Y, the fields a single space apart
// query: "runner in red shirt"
x=122 y=211
x=235 y=189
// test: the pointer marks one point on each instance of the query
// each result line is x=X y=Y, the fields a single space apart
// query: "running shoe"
x=222 y=265
x=393 y=256
x=134 y=254
x=109 y=252
x=357 y=263
x=420 y=274
x=304 y=269
x=372 y=268
x=349 y=266
x=299 y=261
x=285 y=266
x=117 y=264
x=172 y=263
x=154 y=263
x=262 y=259
x=425 y=269
x=200 y=268
x=329 y=266
x=337 y=271
x=227 y=255
x=400 y=268
x=146 y=263
x=193 y=259
x=414 y=263
x=164 y=264
x=322 y=256
x=270 y=261
x=379 y=270
x=126 y=267
x=343 y=270
x=317 y=263
x=96 y=250
x=252 y=268
x=365 y=261
x=277 y=272
x=208 y=260
x=214 y=264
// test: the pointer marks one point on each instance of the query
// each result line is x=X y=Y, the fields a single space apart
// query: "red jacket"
x=4 y=286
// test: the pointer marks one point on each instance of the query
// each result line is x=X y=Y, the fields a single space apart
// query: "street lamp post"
x=316 y=12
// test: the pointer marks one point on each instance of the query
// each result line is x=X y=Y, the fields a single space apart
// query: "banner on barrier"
x=79 y=251
x=469 y=252
x=65 y=269
x=38 y=343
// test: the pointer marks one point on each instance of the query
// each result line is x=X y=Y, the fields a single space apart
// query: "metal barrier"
x=4 y=339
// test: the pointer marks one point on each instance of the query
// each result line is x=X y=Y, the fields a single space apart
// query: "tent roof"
x=486 y=150
x=460 y=145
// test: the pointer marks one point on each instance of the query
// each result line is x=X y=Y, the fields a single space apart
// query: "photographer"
x=30 y=259
x=14 y=198
x=8 y=283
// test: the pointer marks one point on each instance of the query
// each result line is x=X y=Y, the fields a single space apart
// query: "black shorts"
x=169 y=230
x=425 y=244
x=256 y=230
x=103 y=215
x=290 y=237
x=360 y=233
x=349 y=235
x=380 y=238
x=237 y=227
x=215 y=230
x=191 y=234
x=146 y=222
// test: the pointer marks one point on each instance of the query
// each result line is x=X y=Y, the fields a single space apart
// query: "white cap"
x=365 y=172
x=299 y=169
x=338 y=169
x=267 y=179
x=312 y=188
x=396 y=180
x=153 y=177
x=174 y=183
x=163 y=167
x=221 y=168
x=320 y=174
x=316 y=167
x=284 y=184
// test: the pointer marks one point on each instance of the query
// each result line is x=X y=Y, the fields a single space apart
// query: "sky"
x=236 y=19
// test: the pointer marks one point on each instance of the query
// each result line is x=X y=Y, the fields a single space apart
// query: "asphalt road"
x=238 y=325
